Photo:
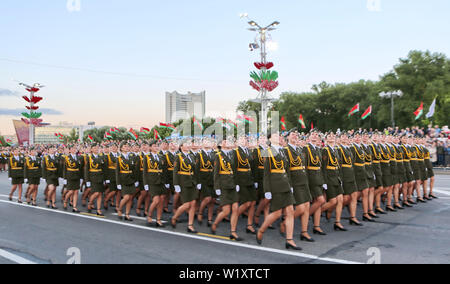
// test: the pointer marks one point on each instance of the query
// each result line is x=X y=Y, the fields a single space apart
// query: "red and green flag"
x=354 y=110
x=114 y=130
x=198 y=123
x=245 y=119
x=312 y=125
x=167 y=126
x=108 y=135
x=90 y=139
x=283 y=124
x=132 y=134
x=156 y=134
x=302 y=121
x=145 y=130
x=9 y=142
x=419 y=112
x=367 y=113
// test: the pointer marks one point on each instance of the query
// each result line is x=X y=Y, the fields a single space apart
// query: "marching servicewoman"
x=94 y=175
x=50 y=172
x=333 y=182
x=386 y=172
x=370 y=170
x=316 y=182
x=4 y=155
x=429 y=167
x=299 y=178
x=351 y=192
x=142 y=193
x=169 y=158
x=126 y=179
x=184 y=180
x=16 y=164
x=73 y=176
x=407 y=186
x=376 y=164
x=226 y=188
x=205 y=179
x=110 y=177
x=244 y=179
x=422 y=169
x=401 y=171
x=258 y=171
x=154 y=177
x=359 y=164
x=278 y=189
x=87 y=191
x=32 y=174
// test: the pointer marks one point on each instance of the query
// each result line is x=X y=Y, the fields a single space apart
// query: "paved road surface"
x=41 y=235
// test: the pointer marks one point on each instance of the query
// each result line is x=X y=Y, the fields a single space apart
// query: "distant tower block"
x=182 y=106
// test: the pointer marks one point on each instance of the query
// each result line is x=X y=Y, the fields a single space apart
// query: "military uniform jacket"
x=376 y=159
x=223 y=171
x=313 y=157
x=385 y=160
x=404 y=149
x=296 y=165
x=16 y=166
x=276 y=174
x=258 y=164
x=205 y=168
x=346 y=161
x=359 y=162
x=399 y=159
x=95 y=168
x=72 y=167
x=169 y=159
x=330 y=167
x=50 y=167
x=110 y=166
x=126 y=170
x=155 y=169
x=184 y=170
x=242 y=167
x=392 y=155
x=368 y=161
x=32 y=167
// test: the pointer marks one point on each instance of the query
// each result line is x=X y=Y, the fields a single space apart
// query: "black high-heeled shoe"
x=373 y=215
x=337 y=228
x=354 y=223
x=174 y=224
x=406 y=205
x=391 y=209
x=289 y=246
x=212 y=230
x=192 y=231
x=250 y=231
x=366 y=219
x=54 y=207
x=317 y=232
x=119 y=215
x=433 y=196
x=259 y=241
x=75 y=210
x=127 y=218
x=237 y=239
x=159 y=224
x=397 y=206
x=100 y=214
x=306 y=239
x=428 y=198
x=210 y=222
x=380 y=211
x=421 y=200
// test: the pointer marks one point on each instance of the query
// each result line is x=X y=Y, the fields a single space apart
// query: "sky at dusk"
x=112 y=61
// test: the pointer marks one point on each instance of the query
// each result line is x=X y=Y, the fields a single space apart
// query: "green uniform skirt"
x=247 y=194
x=333 y=191
x=97 y=187
x=207 y=191
x=316 y=191
x=128 y=189
x=281 y=200
x=350 y=187
x=73 y=184
x=112 y=186
x=34 y=181
x=260 y=191
x=372 y=182
x=302 y=194
x=157 y=190
x=52 y=181
x=362 y=184
x=188 y=194
x=18 y=180
x=387 y=180
x=228 y=196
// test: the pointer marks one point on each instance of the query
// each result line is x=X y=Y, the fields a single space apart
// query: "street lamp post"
x=262 y=33
x=391 y=95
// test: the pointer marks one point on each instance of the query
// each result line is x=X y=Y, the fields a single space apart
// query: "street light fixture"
x=393 y=94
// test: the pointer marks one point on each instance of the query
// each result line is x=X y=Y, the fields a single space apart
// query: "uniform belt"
x=185 y=173
x=314 y=168
x=94 y=171
x=332 y=168
x=406 y=160
x=125 y=172
x=376 y=162
x=154 y=171
x=414 y=159
x=360 y=165
x=18 y=168
x=385 y=161
x=368 y=164
x=206 y=170
x=51 y=169
x=277 y=171
x=170 y=169
x=112 y=168
x=225 y=173
x=399 y=161
x=261 y=167
x=243 y=170
x=347 y=166
x=296 y=168
x=35 y=168
x=73 y=170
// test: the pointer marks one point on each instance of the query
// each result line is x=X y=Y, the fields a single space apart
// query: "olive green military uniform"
x=243 y=175
x=224 y=178
x=72 y=171
x=386 y=166
x=110 y=170
x=95 y=172
x=331 y=172
x=32 y=170
x=50 y=169
x=359 y=164
x=154 y=174
x=407 y=163
x=205 y=173
x=428 y=165
x=376 y=164
x=297 y=172
x=314 y=170
x=401 y=170
x=169 y=158
x=184 y=176
x=347 y=170
x=126 y=173
x=370 y=171
x=16 y=169
x=258 y=171
x=421 y=162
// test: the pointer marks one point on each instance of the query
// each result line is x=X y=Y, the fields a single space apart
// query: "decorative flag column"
x=32 y=118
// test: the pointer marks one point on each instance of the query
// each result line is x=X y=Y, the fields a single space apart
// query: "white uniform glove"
x=81 y=180
x=119 y=187
x=61 y=180
x=256 y=185
x=325 y=186
x=136 y=184
x=177 y=188
x=218 y=192
x=65 y=182
x=42 y=180
x=10 y=179
x=107 y=181
x=146 y=187
x=199 y=186
x=292 y=189
x=25 y=180
x=167 y=186
x=88 y=184
x=238 y=188
x=268 y=195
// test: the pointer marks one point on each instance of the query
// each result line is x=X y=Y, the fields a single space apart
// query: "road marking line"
x=138 y=217
x=15 y=258
x=93 y=215
x=441 y=191
x=214 y=236
x=265 y=249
